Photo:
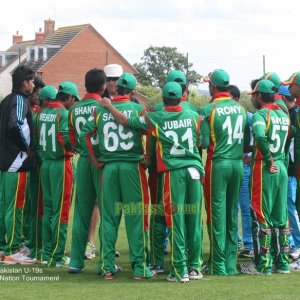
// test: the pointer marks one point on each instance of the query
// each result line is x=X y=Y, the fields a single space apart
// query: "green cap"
x=294 y=79
x=264 y=86
x=218 y=77
x=274 y=78
x=177 y=76
x=172 y=90
x=48 y=92
x=127 y=80
x=69 y=88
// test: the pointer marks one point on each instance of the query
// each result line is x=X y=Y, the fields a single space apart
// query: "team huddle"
x=146 y=164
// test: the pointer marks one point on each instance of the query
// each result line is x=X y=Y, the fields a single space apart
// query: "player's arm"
x=63 y=129
x=87 y=132
x=259 y=133
x=118 y=116
x=297 y=144
x=72 y=130
x=204 y=133
x=16 y=119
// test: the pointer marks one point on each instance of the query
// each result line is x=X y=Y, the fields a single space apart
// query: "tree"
x=157 y=62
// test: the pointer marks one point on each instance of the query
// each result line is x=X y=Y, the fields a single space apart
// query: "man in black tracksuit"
x=16 y=159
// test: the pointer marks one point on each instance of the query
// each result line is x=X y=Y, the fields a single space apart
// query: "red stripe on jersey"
x=256 y=190
x=21 y=189
x=67 y=190
x=167 y=201
x=145 y=195
x=207 y=189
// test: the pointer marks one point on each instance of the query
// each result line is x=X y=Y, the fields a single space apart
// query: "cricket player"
x=124 y=182
x=56 y=173
x=177 y=133
x=16 y=160
x=268 y=182
x=225 y=122
x=88 y=178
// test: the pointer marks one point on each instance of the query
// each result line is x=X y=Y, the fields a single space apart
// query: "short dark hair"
x=60 y=96
x=21 y=74
x=38 y=83
x=253 y=83
x=123 y=91
x=234 y=91
x=170 y=101
x=222 y=89
x=266 y=97
x=95 y=79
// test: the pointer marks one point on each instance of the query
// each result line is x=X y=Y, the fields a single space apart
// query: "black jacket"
x=16 y=133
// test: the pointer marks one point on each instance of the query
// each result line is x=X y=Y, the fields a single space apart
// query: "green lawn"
x=88 y=285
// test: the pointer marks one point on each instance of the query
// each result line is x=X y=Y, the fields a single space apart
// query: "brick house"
x=59 y=55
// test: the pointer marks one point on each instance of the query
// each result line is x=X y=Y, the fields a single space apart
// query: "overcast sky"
x=229 y=34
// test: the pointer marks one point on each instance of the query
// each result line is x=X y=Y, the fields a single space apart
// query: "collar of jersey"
x=272 y=106
x=55 y=104
x=92 y=96
x=119 y=98
x=176 y=108
x=183 y=99
x=277 y=97
x=220 y=96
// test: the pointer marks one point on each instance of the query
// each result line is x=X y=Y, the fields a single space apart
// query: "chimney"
x=39 y=36
x=17 y=38
x=49 y=26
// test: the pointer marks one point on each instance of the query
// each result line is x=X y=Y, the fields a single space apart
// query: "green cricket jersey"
x=177 y=133
x=82 y=112
x=270 y=129
x=116 y=142
x=183 y=102
x=224 y=124
x=53 y=132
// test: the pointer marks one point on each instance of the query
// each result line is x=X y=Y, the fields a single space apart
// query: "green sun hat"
x=274 y=78
x=69 y=88
x=172 y=90
x=218 y=77
x=264 y=86
x=294 y=79
x=127 y=80
x=177 y=76
x=48 y=92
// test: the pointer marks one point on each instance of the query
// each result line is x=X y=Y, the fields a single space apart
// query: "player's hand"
x=105 y=102
x=273 y=168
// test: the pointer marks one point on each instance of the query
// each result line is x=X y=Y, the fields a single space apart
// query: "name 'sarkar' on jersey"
x=228 y=110
x=109 y=116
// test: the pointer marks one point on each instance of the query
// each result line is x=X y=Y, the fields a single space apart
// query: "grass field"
x=88 y=285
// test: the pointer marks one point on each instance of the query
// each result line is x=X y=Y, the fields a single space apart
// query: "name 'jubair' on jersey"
x=271 y=127
x=224 y=122
x=116 y=142
x=177 y=134
x=82 y=112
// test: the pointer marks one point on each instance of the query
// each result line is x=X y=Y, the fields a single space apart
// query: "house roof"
x=61 y=37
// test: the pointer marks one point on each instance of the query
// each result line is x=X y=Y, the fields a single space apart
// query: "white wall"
x=5 y=77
